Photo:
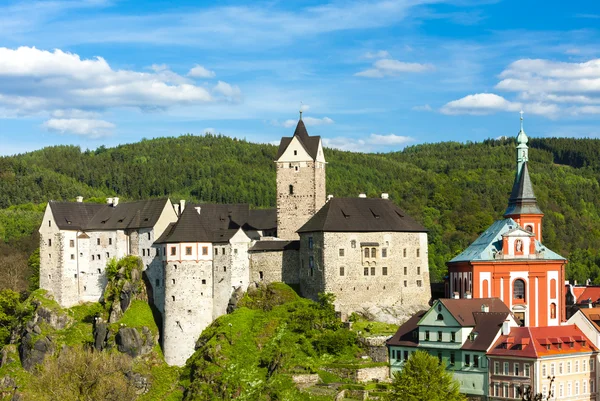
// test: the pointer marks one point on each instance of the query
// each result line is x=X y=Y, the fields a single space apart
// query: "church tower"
x=300 y=180
x=522 y=204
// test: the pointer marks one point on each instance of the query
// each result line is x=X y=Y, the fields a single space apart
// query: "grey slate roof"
x=490 y=242
x=273 y=245
x=361 y=215
x=93 y=216
x=216 y=223
x=522 y=199
x=310 y=143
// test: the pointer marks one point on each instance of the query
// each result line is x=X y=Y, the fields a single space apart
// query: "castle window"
x=384 y=271
x=295 y=153
x=98 y=256
x=216 y=251
x=173 y=281
x=373 y=252
x=49 y=223
x=372 y=271
x=367 y=253
x=341 y=251
x=93 y=257
x=72 y=243
x=143 y=252
x=84 y=288
x=405 y=283
x=110 y=241
x=405 y=270
x=49 y=256
x=291 y=190
x=173 y=297
x=404 y=252
x=418 y=270
x=235 y=251
x=99 y=271
x=188 y=250
x=203 y=281
x=418 y=252
x=148 y=236
x=97 y=241
x=261 y=275
x=384 y=252
x=72 y=256
x=75 y=275
x=341 y=270
x=49 y=242
x=173 y=251
x=310 y=242
x=224 y=268
x=353 y=244
x=223 y=251
x=366 y=271
x=49 y=276
x=296 y=168
x=519 y=289
x=419 y=283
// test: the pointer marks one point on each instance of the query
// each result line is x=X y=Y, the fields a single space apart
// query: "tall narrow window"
x=367 y=253
x=49 y=242
x=418 y=252
x=384 y=271
x=405 y=270
x=519 y=289
x=384 y=252
x=373 y=252
x=72 y=243
x=110 y=241
x=553 y=311
x=341 y=270
x=291 y=190
x=310 y=242
x=418 y=270
x=97 y=241
x=404 y=252
x=353 y=244
x=148 y=236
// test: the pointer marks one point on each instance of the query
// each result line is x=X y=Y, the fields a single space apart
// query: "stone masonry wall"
x=221 y=279
x=360 y=282
x=293 y=210
x=312 y=281
x=275 y=266
x=188 y=308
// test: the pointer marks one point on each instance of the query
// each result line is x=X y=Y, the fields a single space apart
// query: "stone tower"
x=300 y=180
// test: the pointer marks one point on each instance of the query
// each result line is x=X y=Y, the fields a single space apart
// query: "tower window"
x=404 y=252
x=384 y=271
x=110 y=241
x=295 y=168
x=148 y=236
x=97 y=241
x=519 y=289
x=373 y=252
x=310 y=242
x=173 y=251
x=341 y=270
x=291 y=190
x=405 y=270
x=49 y=242
x=353 y=244
x=72 y=243
x=295 y=153
x=418 y=270
x=341 y=251
x=188 y=250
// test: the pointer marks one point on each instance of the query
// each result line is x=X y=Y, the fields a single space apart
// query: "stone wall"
x=294 y=209
x=274 y=266
x=378 y=373
x=221 y=278
x=188 y=307
x=360 y=282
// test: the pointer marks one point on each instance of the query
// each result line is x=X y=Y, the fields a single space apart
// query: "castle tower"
x=300 y=180
x=522 y=204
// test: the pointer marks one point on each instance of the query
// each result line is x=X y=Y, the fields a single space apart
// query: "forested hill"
x=456 y=190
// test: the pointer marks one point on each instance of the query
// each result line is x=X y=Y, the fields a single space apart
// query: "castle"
x=366 y=251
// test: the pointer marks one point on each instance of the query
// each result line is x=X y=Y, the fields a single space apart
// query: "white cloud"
x=390 y=139
x=479 y=103
x=342 y=143
x=310 y=121
x=378 y=54
x=304 y=107
x=200 y=72
x=80 y=126
x=577 y=110
x=424 y=107
x=389 y=67
x=68 y=88
x=230 y=92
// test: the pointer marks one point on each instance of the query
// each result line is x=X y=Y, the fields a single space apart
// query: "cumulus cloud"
x=200 y=72
x=377 y=54
x=387 y=67
x=80 y=126
x=69 y=88
x=390 y=139
x=311 y=121
x=373 y=143
x=543 y=87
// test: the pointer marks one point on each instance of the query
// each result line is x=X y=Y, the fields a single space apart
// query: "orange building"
x=509 y=261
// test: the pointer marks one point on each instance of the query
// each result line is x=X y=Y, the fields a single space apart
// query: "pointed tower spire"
x=522 y=204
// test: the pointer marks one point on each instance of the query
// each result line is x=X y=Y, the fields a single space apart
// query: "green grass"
x=139 y=314
x=81 y=331
x=165 y=383
x=368 y=328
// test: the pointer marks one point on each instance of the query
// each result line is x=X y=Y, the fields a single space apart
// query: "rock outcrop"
x=131 y=342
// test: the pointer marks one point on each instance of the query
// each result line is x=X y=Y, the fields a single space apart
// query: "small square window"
x=75 y=275
x=384 y=271
x=203 y=281
x=72 y=243
x=188 y=250
x=204 y=250
x=173 y=251
x=235 y=251
x=366 y=272
x=72 y=256
x=419 y=283
x=99 y=271
x=341 y=251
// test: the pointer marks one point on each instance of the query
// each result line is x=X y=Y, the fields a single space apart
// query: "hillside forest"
x=456 y=190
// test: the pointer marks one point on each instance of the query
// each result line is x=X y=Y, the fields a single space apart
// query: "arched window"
x=373 y=252
x=366 y=252
x=291 y=190
x=529 y=228
x=440 y=316
x=552 y=310
x=519 y=289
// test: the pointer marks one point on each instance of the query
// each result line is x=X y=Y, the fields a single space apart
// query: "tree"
x=423 y=378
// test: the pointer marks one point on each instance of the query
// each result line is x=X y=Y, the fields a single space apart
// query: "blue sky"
x=370 y=76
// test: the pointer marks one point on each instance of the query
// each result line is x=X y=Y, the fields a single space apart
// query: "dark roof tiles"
x=310 y=143
x=274 y=245
x=361 y=215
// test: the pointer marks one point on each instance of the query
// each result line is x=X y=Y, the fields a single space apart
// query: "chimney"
x=115 y=202
x=198 y=209
x=485 y=308
x=385 y=195
x=109 y=201
x=181 y=206
x=505 y=327
x=362 y=195
x=588 y=282
x=574 y=282
x=329 y=197
x=468 y=295
x=80 y=199
x=456 y=295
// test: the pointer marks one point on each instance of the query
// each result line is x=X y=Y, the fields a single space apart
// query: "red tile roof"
x=592 y=293
x=535 y=342
x=593 y=315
